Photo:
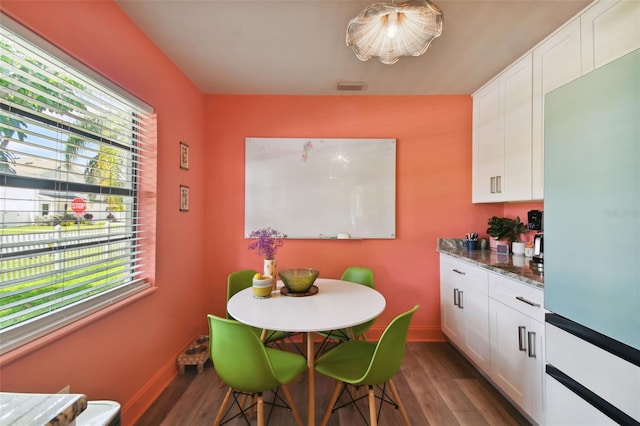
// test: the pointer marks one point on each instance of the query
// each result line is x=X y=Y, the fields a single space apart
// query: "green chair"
x=249 y=368
x=359 y=275
x=238 y=281
x=361 y=363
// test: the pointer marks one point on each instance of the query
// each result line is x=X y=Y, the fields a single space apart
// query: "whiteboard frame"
x=321 y=188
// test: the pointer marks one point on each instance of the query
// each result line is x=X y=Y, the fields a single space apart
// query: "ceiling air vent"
x=351 y=86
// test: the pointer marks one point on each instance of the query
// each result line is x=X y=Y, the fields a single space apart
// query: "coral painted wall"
x=129 y=354
x=433 y=189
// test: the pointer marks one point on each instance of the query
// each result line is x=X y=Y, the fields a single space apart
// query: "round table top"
x=338 y=304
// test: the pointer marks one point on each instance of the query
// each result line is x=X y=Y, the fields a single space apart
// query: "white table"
x=338 y=304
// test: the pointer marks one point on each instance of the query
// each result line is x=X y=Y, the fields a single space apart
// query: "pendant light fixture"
x=387 y=31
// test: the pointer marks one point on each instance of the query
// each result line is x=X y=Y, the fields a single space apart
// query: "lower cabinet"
x=498 y=323
x=465 y=308
x=516 y=357
x=517 y=343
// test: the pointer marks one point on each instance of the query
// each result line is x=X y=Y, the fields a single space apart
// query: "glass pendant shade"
x=387 y=31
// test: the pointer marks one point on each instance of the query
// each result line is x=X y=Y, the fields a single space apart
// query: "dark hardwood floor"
x=436 y=383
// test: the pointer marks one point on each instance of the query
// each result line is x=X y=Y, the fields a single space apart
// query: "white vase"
x=271 y=269
x=517 y=247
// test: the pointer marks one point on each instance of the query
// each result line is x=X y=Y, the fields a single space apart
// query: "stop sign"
x=78 y=205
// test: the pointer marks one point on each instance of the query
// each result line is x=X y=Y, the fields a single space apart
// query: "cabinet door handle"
x=456 y=297
x=460 y=304
x=493 y=185
x=499 y=184
x=522 y=330
x=459 y=272
x=531 y=337
x=527 y=301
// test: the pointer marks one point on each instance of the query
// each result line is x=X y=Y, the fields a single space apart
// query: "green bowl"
x=298 y=280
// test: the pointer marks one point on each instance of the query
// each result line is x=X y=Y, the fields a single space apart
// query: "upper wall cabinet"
x=502 y=136
x=610 y=29
x=603 y=32
x=557 y=61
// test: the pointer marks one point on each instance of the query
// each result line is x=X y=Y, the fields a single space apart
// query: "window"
x=73 y=226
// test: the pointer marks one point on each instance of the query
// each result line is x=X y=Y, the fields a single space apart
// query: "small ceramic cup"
x=528 y=249
x=262 y=288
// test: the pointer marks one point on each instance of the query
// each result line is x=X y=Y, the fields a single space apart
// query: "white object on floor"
x=98 y=413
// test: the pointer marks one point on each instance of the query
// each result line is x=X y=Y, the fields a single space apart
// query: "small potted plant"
x=267 y=242
x=519 y=228
x=509 y=230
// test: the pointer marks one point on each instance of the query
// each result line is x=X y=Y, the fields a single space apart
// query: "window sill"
x=47 y=334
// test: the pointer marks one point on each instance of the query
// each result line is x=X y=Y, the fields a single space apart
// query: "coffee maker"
x=534 y=218
x=535 y=224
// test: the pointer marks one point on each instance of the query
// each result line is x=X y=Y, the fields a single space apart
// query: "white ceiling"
x=297 y=47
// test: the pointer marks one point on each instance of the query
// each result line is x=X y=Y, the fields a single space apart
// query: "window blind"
x=72 y=151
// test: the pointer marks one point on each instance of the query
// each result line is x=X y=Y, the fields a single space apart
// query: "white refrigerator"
x=592 y=247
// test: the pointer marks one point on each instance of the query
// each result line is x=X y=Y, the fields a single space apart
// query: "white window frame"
x=19 y=334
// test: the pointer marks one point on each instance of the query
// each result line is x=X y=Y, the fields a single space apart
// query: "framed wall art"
x=184 y=156
x=184 y=198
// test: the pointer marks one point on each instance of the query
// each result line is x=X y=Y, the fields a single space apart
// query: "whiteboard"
x=321 y=188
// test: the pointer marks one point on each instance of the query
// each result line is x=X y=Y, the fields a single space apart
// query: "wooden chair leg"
x=260 y=408
x=372 y=407
x=332 y=402
x=294 y=410
x=396 y=396
x=223 y=407
x=243 y=401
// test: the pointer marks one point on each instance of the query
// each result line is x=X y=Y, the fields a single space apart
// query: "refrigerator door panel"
x=592 y=200
x=614 y=379
x=565 y=408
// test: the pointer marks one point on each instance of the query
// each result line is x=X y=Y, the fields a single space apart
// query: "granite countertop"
x=35 y=409
x=514 y=267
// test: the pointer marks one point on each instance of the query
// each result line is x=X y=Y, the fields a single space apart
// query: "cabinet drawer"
x=463 y=272
x=519 y=296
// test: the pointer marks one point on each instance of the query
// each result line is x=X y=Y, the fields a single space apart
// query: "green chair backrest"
x=239 y=357
x=238 y=281
x=358 y=274
x=389 y=351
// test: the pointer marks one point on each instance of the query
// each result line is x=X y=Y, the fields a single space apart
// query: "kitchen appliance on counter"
x=534 y=219
x=536 y=224
x=538 y=246
x=592 y=202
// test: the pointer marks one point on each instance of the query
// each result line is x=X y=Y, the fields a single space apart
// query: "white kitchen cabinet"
x=557 y=61
x=508 y=112
x=488 y=145
x=502 y=123
x=610 y=29
x=464 y=306
x=516 y=320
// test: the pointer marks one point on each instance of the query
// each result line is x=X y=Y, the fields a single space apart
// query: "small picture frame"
x=502 y=248
x=184 y=198
x=184 y=156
